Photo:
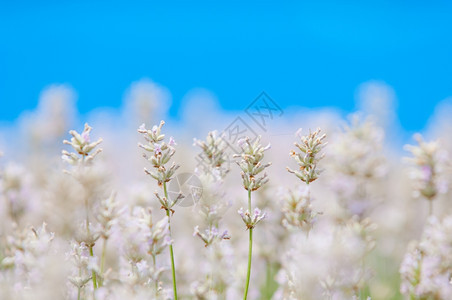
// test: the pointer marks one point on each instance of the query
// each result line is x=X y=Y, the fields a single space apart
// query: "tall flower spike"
x=160 y=153
x=309 y=155
x=83 y=147
x=251 y=163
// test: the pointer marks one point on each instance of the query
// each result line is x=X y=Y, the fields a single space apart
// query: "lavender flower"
x=82 y=146
x=249 y=219
x=161 y=154
x=251 y=163
x=213 y=153
x=211 y=235
x=309 y=155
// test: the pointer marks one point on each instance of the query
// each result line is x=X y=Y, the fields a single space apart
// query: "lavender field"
x=225 y=150
x=253 y=204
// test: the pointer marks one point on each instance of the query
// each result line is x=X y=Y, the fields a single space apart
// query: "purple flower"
x=157 y=148
x=172 y=142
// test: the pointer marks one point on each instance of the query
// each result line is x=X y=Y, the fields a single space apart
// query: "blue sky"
x=310 y=54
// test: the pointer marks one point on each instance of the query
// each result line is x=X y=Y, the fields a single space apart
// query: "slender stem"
x=430 y=207
x=91 y=253
x=102 y=261
x=249 y=201
x=79 y=289
x=156 y=281
x=173 y=267
x=250 y=251
x=248 y=273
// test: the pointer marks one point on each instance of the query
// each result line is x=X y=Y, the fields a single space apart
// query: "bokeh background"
x=201 y=66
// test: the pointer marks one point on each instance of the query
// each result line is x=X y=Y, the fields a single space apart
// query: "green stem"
x=430 y=207
x=248 y=273
x=102 y=261
x=249 y=201
x=250 y=251
x=156 y=281
x=79 y=288
x=91 y=253
x=173 y=267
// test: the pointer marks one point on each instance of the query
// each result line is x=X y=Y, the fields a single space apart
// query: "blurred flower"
x=426 y=269
x=428 y=163
x=357 y=165
x=108 y=215
x=297 y=210
x=213 y=153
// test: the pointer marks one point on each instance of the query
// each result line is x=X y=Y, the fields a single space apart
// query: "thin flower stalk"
x=251 y=165
x=159 y=155
x=85 y=152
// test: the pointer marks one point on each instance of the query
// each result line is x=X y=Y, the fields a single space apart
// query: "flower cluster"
x=426 y=269
x=251 y=163
x=309 y=155
x=160 y=153
x=249 y=219
x=83 y=147
x=428 y=160
x=168 y=202
x=297 y=209
x=213 y=155
x=211 y=235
